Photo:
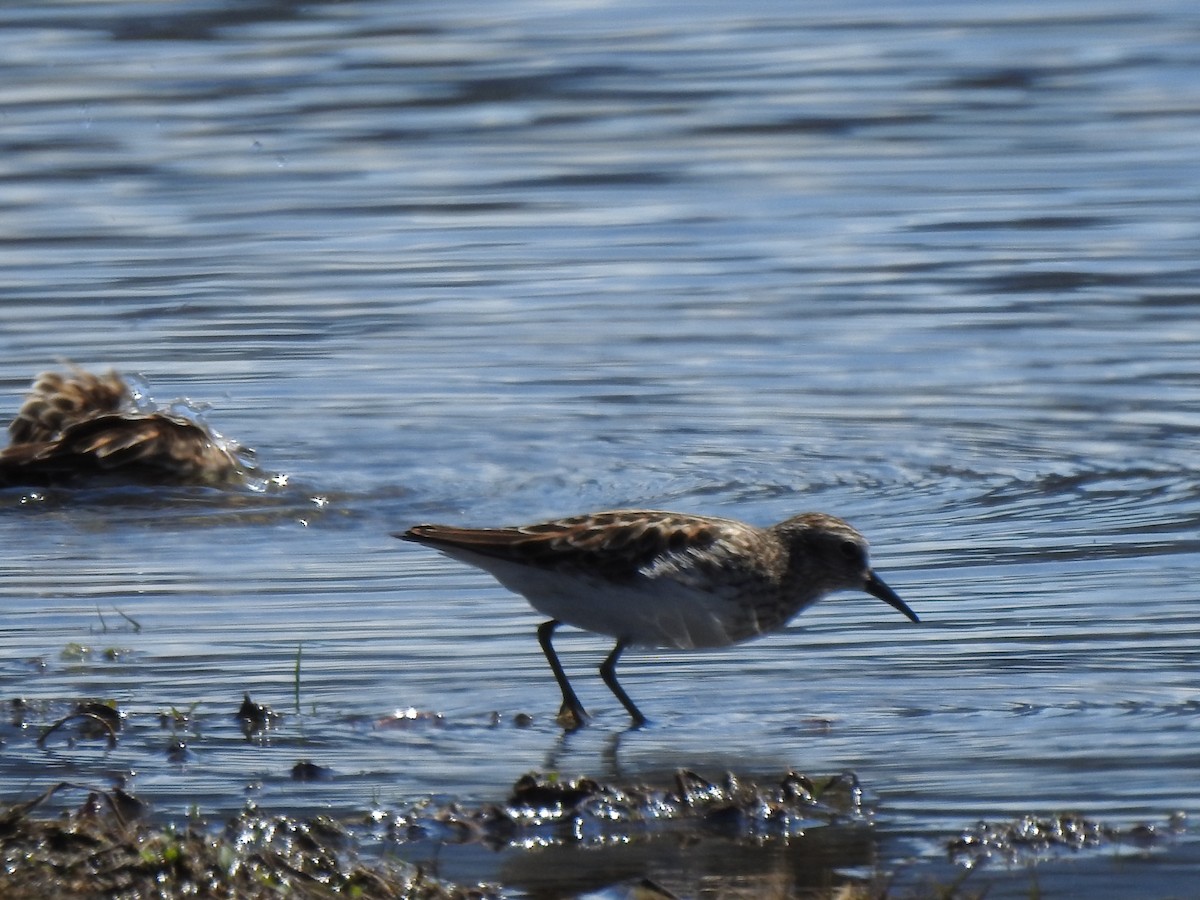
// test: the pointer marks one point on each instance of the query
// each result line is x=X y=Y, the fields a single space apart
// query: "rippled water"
x=929 y=267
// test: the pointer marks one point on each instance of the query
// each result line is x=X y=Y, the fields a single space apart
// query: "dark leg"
x=608 y=672
x=572 y=713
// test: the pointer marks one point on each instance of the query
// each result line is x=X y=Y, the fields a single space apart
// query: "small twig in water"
x=137 y=626
x=91 y=717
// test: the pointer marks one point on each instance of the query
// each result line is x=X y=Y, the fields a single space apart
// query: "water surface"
x=931 y=268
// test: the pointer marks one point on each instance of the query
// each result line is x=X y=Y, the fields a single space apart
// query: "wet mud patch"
x=1031 y=839
x=550 y=837
x=103 y=848
x=126 y=821
x=547 y=835
x=557 y=837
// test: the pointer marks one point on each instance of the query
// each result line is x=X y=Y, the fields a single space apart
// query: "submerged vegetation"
x=682 y=835
x=104 y=849
x=110 y=844
x=797 y=837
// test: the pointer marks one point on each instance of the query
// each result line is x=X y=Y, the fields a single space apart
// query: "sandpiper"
x=663 y=579
x=79 y=424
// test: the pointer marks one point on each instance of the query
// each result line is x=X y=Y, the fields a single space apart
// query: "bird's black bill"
x=876 y=588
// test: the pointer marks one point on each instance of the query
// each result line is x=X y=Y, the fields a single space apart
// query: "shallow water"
x=931 y=268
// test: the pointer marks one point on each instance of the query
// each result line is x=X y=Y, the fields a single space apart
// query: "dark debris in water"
x=680 y=837
x=255 y=717
x=103 y=849
x=545 y=810
x=683 y=835
x=307 y=770
x=94 y=719
x=109 y=847
x=1032 y=838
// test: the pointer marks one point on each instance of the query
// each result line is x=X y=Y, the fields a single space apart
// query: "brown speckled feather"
x=617 y=544
x=57 y=401
x=81 y=424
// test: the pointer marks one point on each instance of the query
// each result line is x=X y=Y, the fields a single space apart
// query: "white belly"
x=644 y=611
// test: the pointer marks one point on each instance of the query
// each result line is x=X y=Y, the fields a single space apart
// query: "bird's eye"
x=851 y=551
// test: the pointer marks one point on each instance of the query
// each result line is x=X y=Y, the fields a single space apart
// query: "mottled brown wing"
x=172 y=447
x=152 y=447
x=616 y=545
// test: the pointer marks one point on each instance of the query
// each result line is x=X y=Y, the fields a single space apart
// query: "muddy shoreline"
x=546 y=835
